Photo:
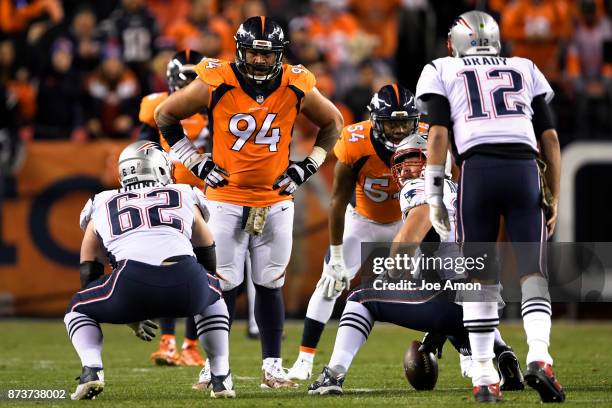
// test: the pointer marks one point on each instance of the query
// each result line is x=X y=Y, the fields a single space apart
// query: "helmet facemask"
x=391 y=130
x=407 y=165
x=259 y=72
x=145 y=162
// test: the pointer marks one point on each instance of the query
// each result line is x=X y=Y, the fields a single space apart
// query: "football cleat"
x=301 y=370
x=190 y=356
x=541 y=377
x=166 y=354
x=487 y=393
x=91 y=383
x=204 y=378
x=274 y=376
x=222 y=386
x=509 y=369
x=327 y=383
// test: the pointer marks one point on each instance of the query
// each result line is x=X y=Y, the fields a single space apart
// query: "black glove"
x=433 y=343
x=295 y=175
x=213 y=175
x=144 y=330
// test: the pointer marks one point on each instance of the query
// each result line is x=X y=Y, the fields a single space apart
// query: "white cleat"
x=91 y=383
x=301 y=370
x=222 y=386
x=204 y=378
x=274 y=376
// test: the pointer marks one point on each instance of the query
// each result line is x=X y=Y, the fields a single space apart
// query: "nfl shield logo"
x=260 y=99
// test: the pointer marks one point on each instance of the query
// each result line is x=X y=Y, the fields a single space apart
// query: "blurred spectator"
x=113 y=97
x=159 y=82
x=59 y=97
x=236 y=11
x=537 y=29
x=359 y=95
x=15 y=16
x=379 y=18
x=166 y=12
x=86 y=40
x=589 y=70
x=301 y=49
x=17 y=81
x=187 y=33
x=135 y=29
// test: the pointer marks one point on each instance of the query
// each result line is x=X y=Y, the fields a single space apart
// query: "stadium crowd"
x=77 y=70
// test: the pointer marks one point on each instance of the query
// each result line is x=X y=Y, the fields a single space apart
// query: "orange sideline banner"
x=40 y=236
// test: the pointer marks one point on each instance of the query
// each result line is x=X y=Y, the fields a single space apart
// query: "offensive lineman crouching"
x=153 y=231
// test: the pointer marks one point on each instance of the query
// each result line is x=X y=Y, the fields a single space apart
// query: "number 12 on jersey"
x=243 y=125
x=497 y=95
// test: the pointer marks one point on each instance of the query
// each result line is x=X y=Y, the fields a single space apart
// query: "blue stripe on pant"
x=491 y=187
x=137 y=291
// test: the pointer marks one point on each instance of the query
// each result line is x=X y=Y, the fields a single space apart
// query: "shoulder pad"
x=86 y=213
x=300 y=77
x=148 y=105
x=215 y=72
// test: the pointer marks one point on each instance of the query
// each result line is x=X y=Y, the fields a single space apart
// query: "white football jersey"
x=413 y=194
x=490 y=97
x=148 y=224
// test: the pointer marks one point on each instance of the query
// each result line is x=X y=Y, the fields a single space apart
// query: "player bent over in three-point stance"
x=425 y=310
x=498 y=110
x=363 y=168
x=252 y=107
x=161 y=251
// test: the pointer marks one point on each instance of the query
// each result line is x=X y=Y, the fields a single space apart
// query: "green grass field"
x=38 y=355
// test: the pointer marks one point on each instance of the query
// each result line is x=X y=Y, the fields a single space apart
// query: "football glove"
x=434 y=190
x=144 y=330
x=295 y=175
x=334 y=278
x=200 y=164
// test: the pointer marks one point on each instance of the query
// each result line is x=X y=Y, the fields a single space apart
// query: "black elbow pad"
x=207 y=257
x=89 y=272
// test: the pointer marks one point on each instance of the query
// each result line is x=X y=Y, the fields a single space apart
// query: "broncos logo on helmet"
x=181 y=69
x=393 y=114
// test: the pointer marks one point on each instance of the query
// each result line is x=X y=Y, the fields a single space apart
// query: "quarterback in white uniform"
x=497 y=109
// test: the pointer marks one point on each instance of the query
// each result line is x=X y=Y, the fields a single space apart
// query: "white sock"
x=353 y=331
x=480 y=319
x=213 y=332
x=319 y=307
x=271 y=361
x=536 y=312
x=306 y=356
x=536 y=321
x=86 y=337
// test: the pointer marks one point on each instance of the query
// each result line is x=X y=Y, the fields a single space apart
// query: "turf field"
x=37 y=355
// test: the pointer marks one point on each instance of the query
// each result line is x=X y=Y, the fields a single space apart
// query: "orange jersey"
x=195 y=126
x=251 y=133
x=375 y=191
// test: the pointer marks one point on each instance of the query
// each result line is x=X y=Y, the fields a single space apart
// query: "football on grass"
x=421 y=369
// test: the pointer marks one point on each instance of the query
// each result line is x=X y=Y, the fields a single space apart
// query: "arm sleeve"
x=543 y=118
x=438 y=110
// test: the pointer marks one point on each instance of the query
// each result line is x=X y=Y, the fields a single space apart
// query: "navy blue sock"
x=191 y=332
x=230 y=300
x=311 y=335
x=270 y=317
x=167 y=324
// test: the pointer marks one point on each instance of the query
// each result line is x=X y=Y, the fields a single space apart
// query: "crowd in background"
x=74 y=70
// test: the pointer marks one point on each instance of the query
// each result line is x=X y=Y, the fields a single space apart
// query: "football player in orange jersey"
x=252 y=106
x=363 y=171
x=179 y=73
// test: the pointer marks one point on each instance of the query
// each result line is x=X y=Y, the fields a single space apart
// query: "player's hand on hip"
x=438 y=215
x=213 y=175
x=295 y=175
x=144 y=329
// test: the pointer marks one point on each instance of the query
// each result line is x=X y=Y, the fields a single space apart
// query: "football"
x=421 y=368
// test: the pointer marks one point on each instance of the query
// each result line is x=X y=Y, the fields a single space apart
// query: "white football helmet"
x=474 y=33
x=414 y=145
x=144 y=161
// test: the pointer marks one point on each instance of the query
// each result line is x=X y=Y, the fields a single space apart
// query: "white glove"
x=200 y=164
x=334 y=278
x=438 y=215
x=434 y=190
x=144 y=329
